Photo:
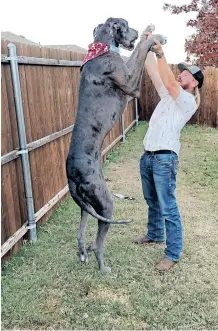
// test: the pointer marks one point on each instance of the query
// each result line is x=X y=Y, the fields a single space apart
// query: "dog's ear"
x=116 y=26
x=114 y=23
x=95 y=31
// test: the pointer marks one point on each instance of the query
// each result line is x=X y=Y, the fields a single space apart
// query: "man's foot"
x=165 y=265
x=146 y=241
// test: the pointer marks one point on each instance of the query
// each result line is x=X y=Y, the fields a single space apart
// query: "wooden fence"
x=49 y=98
x=207 y=114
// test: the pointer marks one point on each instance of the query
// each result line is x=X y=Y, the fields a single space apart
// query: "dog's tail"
x=88 y=208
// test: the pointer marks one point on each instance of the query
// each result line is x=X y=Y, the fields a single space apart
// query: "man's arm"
x=166 y=73
x=152 y=70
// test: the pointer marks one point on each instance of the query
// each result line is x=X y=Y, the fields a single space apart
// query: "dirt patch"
x=109 y=294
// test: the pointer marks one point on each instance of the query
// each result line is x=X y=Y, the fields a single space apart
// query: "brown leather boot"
x=146 y=241
x=165 y=265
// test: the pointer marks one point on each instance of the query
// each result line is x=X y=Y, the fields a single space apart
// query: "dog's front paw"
x=162 y=39
x=150 y=28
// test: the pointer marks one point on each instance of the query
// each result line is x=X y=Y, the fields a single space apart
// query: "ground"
x=45 y=286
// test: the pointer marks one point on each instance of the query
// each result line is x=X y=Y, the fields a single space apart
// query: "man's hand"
x=157 y=47
x=147 y=34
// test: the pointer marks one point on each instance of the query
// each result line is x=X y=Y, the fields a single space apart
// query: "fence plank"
x=42 y=61
x=51 y=203
x=6 y=141
x=14 y=239
x=9 y=157
x=48 y=139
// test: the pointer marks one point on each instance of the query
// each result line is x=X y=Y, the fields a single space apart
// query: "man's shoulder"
x=186 y=101
x=186 y=94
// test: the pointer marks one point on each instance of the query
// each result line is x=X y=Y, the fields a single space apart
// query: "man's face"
x=186 y=80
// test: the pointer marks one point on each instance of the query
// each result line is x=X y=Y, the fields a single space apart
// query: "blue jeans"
x=158 y=175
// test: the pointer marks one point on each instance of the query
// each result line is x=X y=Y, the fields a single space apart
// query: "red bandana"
x=96 y=49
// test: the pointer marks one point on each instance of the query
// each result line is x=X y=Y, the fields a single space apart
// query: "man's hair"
x=197 y=96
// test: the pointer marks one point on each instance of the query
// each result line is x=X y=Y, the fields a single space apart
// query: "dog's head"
x=117 y=31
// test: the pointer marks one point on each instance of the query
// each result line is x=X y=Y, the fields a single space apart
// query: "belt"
x=163 y=151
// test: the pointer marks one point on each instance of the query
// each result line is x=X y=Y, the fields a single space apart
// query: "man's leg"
x=164 y=170
x=155 y=232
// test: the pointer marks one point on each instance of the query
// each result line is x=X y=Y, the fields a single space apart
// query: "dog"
x=106 y=84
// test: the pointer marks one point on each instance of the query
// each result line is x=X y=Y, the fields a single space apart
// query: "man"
x=158 y=165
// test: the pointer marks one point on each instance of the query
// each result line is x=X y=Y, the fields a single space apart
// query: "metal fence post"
x=22 y=140
x=136 y=112
x=123 y=128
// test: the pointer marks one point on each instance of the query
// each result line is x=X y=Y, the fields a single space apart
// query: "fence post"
x=136 y=112
x=22 y=140
x=123 y=128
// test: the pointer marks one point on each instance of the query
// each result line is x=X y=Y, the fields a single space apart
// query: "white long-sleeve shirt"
x=168 y=119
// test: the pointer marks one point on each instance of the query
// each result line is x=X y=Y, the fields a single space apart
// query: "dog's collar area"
x=97 y=49
x=115 y=49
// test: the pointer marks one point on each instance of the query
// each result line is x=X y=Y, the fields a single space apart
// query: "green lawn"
x=45 y=286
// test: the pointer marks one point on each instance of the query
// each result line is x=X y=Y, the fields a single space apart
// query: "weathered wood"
x=48 y=139
x=11 y=218
x=51 y=203
x=130 y=126
x=42 y=61
x=36 y=144
x=21 y=232
x=14 y=239
x=49 y=97
x=111 y=145
x=9 y=157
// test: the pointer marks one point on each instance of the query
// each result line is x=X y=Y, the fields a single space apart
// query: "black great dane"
x=106 y=84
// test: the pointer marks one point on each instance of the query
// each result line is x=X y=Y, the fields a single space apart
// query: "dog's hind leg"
x=103 y=227
x=99 y=249
x=81 y=237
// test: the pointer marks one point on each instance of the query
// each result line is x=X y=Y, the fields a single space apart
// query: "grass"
x=45 y=286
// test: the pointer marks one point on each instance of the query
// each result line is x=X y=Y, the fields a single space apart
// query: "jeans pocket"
x=163 y=158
